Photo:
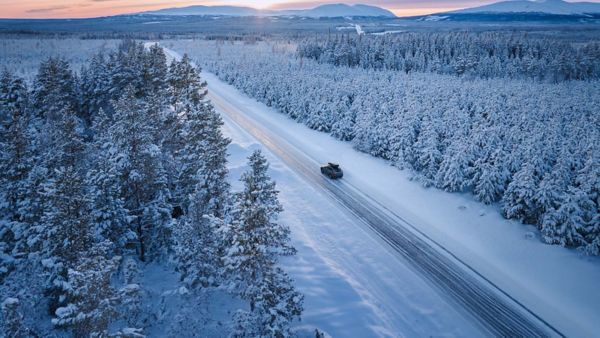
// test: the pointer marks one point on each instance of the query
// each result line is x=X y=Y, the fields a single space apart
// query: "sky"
x=94 y=8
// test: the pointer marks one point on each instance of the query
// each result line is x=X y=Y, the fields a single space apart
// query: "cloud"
x=153 y=5
x=46 y=9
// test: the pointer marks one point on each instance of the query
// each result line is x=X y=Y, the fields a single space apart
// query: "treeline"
x=119 y=166
x=482 y=55
x=533 y=148
x=21 y=56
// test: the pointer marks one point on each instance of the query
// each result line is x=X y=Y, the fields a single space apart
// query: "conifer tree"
x=490 y=178
x=280 y=304
x=195 y=132
x=145 y=186
x=589 y=181
x=12 y=319
x=155 y=74
x=429 y=155
x=66 y=221
x=255 y=243
x=54 y=90
x=185 y=83
x=566 y=225
x=95 y=87
x=256 y=239
x=125 y=67
x=109 y=215
x=199 y=249
x=91 y=300
x=204 y=160
x=16 y=162
x=454 y=171
x=518 y=201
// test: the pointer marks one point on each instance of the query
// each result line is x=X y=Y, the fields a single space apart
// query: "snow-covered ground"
x=435 y=18
x=339 y=264
x=174 y=311
x=359 y=29
x=389 y=32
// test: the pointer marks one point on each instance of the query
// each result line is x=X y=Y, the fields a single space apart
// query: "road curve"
x=493 y=309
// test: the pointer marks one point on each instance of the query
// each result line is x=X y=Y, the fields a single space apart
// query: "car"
x=332 y=170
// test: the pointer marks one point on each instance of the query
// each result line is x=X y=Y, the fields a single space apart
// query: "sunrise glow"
x=95 y=8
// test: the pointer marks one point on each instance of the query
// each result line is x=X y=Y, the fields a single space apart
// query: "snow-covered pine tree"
x=454 y=174
x=518 y=201
x=145 y=188
x=490 y=177
x=131 y=293
x=279 y=304
x=203 y=154
x=91 y=300
x=54 y=89
x=66 y=222
x=204 y=160
x=125 y=67
x=32 y=209
x=256 y=242
x=157 y=217
x=429 y=154
x=185 y=83
x=199 y=249
x=155 y=73
x=16 y=162
x=95 y=87
x=130 y=297
x=566 y=225
x=109 y=215
x=166 y=124
x=13 y=96
x=549 y=192
x=211 y=195
x=12 y=319
x=194 y=131
x=589 y=181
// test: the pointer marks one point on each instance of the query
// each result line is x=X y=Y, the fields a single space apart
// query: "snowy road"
x=492 y=308
x=466 y=292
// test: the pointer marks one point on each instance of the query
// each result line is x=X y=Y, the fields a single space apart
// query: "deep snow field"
x=22 y=56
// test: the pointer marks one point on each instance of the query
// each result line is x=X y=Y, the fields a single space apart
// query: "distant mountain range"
x=558 y=7
x=512 y=10
x=523 y=11
x=323 y=11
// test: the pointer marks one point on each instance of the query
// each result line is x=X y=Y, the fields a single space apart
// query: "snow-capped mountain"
x=208 y=10
x=558 y=7
x=335 y=10
x=330 y=10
